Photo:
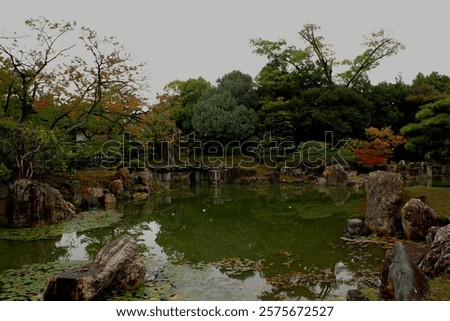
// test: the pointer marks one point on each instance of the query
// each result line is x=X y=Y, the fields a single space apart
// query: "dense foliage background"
x=59 y=107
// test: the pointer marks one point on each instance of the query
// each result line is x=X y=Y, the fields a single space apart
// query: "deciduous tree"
x=318 y=56
x=378 y=147
x=32 y=66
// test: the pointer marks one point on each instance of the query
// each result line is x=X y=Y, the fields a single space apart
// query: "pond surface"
x=210 y=243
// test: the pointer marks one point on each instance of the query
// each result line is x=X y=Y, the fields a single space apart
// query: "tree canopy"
x=59 y=107
x=318 y=59
x=89 y=98
x=429 y=135
x=221 y=114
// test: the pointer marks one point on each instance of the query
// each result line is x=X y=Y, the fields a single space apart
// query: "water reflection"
x=74 y=246
x=15 y=254
x=232 y=242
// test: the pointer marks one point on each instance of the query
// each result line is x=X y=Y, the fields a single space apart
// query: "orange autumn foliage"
x=379 y=146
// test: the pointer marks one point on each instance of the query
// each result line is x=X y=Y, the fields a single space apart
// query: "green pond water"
x=208 y=243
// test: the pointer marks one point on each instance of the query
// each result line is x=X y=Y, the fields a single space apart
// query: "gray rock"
x=139 y=196
x=383 y=201
x=436 y=261
x=117 y=188
x=124 y=175
x=417 y=218
x=148 y=180
x=94 y=198
x=319 y=181
x=431 y=234
x=32 y=203
x=117 y=266
x=401 y=279
x=98 y=193
x=335 y=175
x=356 y=228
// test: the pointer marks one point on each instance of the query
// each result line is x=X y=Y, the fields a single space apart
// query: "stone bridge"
x=202 y=174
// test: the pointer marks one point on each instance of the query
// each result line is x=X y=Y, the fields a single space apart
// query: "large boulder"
x=356 y=228
x=124 y=175
x=116 y=187
x=417 y=218
x=32 y=203
x=383 y=201
x=93 y=197
x=147 y=179
x=401 y=279
x=436 y=261
x=117 y=266
x=335 y=175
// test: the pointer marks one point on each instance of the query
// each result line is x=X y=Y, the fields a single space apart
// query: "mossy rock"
x=373 y=294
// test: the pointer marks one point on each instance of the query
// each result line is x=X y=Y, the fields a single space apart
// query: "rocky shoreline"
x=32 y=203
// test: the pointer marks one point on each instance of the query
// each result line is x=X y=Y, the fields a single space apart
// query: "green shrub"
x=5 y=173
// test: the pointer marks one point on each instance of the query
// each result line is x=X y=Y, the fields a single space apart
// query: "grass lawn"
x=438 y=198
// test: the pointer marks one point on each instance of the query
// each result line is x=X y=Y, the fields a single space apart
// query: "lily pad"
x=29 y=282
x=83 y=222
x=237 y=267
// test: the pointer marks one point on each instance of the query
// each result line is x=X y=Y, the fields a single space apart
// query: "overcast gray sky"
x=181 y=39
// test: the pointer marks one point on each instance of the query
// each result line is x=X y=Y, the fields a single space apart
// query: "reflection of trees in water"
x=96 y=239
x=249 y=224
x=15 y=254
x=297 y=286
x=256 y=225
x=312 y=284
